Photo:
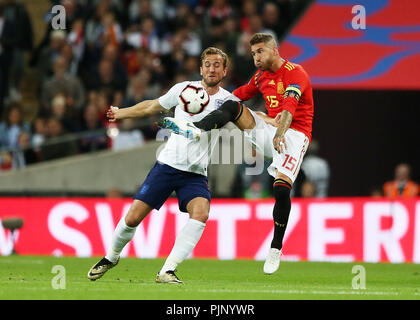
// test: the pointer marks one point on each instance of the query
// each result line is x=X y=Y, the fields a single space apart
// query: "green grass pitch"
x=32 y=277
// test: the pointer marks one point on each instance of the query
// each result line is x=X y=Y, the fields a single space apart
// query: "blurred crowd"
x=120 y=52
x=400 y=186
x=114 y=52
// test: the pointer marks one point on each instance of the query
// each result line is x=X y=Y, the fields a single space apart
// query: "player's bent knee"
x=199 y=208
x=138 y=211
x=281 y=189
x=132 y=221
x=283 y=177
x=200 y=215
x=246 y=120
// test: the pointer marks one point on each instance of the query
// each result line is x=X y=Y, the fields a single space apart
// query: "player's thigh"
x=283 y=177
x=191 y=188
x=246 y=121
x=261 y=136
x=286 y=165
x=137 y=212
x=158 y=185
x=198 y=209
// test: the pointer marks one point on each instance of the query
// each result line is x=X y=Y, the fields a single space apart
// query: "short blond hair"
x=214 y=50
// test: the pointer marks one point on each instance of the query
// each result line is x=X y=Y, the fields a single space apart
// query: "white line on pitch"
x=361 y=292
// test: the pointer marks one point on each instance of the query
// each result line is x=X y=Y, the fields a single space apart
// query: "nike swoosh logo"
x=94 y=274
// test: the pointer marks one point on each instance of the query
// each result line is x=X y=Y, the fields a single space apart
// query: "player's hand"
x=279 y=143
x=277 y=118
x=111 y=114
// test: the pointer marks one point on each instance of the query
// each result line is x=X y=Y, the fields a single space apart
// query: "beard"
x=266 y=65
x=211 y=83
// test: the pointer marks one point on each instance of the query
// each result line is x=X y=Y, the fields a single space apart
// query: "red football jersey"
x=276 y=88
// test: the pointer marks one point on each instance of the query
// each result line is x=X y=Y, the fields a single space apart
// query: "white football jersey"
x=182 y=153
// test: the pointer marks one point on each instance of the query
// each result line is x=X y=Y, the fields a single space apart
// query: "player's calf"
x=228 y=111
x=281 y=212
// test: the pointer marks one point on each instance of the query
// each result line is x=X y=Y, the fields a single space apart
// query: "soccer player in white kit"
x=181 y=167
x=286 y=128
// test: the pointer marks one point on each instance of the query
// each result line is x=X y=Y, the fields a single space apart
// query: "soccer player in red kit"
x=287 y=126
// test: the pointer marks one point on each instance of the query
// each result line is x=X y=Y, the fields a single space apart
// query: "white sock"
x=185 y=243
x=122 y=235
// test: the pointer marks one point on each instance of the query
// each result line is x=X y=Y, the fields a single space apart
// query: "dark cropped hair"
x=261 y=37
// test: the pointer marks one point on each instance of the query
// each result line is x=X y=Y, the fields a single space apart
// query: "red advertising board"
x=334 y=229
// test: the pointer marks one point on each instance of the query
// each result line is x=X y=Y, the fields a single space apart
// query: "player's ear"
x=201 y=71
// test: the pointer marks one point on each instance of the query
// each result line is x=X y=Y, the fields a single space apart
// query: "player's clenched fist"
x=111 y=114
x=279 y=143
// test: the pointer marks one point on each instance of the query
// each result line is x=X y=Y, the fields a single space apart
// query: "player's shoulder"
x=294 y=70
x=259 y=73
x=224 y=92
x=296 y=67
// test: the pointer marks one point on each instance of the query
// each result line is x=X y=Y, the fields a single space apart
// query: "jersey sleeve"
x=170 y=99
x=298 y=83
x=247 y=91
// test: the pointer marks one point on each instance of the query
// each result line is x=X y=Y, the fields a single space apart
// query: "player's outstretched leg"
x=99 y=268
x=229 y=111
x=181 y=127
x=123 y=233
x=281 y=214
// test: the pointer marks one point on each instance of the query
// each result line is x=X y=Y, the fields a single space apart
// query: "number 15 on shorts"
x=289 y=163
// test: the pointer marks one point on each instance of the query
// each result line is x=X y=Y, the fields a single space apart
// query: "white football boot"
x=273 y=261
x=182 y=127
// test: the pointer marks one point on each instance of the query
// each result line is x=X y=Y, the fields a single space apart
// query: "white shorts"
x=287 y=163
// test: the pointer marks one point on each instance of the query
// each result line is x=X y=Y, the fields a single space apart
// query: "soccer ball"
x=193 y=99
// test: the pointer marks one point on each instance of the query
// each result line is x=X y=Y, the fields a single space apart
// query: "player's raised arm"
x=139 y=110
x=279 y=141
x=249 y=90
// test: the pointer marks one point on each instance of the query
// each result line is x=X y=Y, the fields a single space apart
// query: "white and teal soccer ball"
x=193 y=99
